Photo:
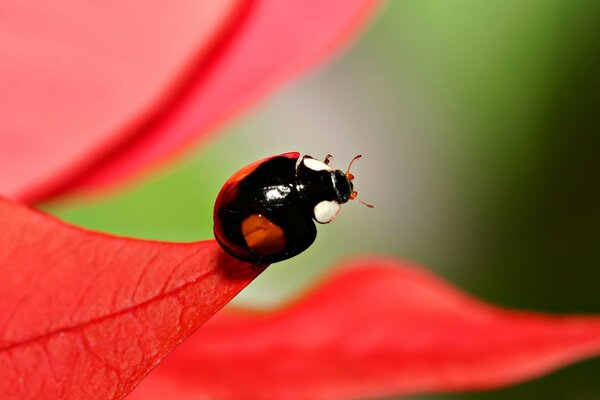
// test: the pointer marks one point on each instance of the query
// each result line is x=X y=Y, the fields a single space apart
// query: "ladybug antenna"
x=366 y=204
x=352 y=162
x=353 y=197
x=348 y=174
x=350 y=177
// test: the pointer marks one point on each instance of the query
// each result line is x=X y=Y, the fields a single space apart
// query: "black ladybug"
x=264 y=213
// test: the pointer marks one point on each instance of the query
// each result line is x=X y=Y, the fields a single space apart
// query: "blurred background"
x=479 y=123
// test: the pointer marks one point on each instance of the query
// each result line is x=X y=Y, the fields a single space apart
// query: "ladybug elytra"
x=264 y=213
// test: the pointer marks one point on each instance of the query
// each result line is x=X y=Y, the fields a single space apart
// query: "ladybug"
x=264 y=213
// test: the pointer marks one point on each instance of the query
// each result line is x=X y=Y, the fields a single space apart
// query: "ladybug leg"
x=327 y=159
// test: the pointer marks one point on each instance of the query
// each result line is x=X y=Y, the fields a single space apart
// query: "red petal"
x=103 y=91
x=276 y=40
x=78 y=78
x=87 y=316
x=376 y=329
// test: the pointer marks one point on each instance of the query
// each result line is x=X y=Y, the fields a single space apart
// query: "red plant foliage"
x=94 y=93
x=87 y=316
x=378 y=327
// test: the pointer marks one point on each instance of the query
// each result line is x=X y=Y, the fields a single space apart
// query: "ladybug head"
x=342 y=182
x=344 y=189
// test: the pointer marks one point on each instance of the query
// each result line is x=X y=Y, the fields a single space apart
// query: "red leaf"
x=93 y=93
x=87 y=316
x=79 y=78
x=378 y=328
x=276 y=40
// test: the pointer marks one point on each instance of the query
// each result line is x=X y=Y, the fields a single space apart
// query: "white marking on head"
x=316 y=165
x=326 y=211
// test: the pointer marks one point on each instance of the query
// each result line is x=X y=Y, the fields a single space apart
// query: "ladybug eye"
x=353 y=194
x=349 y=176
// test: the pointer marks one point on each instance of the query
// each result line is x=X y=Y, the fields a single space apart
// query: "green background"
x=480 y=126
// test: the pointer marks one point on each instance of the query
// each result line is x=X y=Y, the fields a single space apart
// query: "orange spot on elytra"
x=263 y=236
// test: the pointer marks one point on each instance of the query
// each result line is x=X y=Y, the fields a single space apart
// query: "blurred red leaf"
x=79 y=78
x=87 y=316
x=93 y=92
x=275 y=40
x=379 y=328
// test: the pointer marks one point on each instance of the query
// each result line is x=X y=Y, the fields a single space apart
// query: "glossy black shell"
x=277 y=190
x=268 y=188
